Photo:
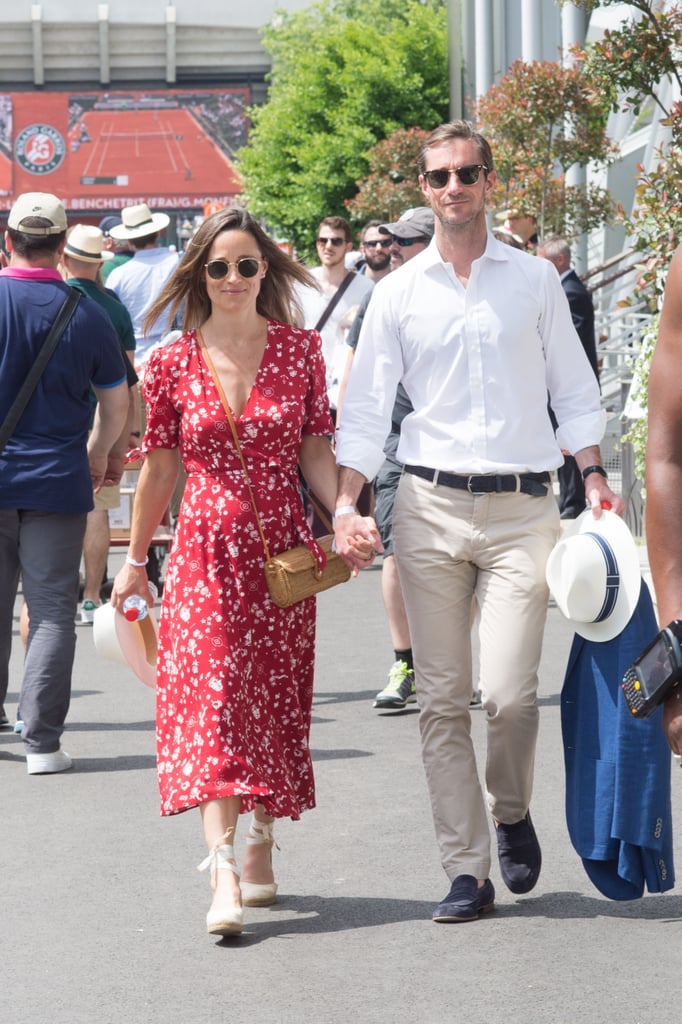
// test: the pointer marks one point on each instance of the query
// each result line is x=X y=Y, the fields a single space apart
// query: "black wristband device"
x=655 y=673
x=594 y=469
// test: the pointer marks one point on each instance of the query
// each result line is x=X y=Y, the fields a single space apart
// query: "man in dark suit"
x=558 y=252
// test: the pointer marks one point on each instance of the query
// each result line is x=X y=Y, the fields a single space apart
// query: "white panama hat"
x=594 y=575
x=129 y=643
x=84 y=242
x=138 y=222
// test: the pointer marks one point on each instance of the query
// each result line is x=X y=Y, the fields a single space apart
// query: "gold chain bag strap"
x=292 y=575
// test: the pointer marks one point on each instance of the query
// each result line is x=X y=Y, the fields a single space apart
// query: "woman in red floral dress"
x=235 y=672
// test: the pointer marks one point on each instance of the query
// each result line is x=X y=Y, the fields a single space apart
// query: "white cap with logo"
x=42 y=205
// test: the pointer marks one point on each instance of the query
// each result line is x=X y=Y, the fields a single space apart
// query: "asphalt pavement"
x=103 y=910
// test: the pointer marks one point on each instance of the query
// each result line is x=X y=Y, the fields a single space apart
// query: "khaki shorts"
x=108 y=497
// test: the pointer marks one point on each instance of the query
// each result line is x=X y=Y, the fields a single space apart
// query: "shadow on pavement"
x=93 y=765
x=317 y=915
x=332 y=755
x=561 y=906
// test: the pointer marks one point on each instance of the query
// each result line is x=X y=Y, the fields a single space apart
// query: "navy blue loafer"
x=465 y=901
x=519 y=853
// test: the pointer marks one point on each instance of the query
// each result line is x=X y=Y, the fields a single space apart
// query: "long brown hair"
x=185 y=291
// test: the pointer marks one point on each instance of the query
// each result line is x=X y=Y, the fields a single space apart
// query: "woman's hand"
x=131 y=579
x=357 y=541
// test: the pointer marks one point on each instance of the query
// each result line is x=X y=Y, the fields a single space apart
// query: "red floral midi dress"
x=235 y=672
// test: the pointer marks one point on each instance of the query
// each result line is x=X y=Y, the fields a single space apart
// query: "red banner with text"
x=99 y=151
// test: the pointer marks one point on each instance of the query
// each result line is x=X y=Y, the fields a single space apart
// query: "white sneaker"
x=87 y=612
x=48 y=764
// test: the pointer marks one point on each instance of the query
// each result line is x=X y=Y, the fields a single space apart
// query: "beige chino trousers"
x=451 y=546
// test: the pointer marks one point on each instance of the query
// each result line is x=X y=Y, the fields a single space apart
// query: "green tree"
x=541 y=119
x=345 y=75
x=630 y=63
x=392 y=183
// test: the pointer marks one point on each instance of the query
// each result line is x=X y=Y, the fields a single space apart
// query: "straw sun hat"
x=84 y=243
x=129 y=643
x=138 y=221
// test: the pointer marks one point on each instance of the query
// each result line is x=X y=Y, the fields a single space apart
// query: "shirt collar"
x=494 y=250
x=32 y=273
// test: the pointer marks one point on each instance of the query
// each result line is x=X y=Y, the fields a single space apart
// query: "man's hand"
x=597 y=491
x=114 y=470
x=599 y=495
x=98 y=469
x=357 y=541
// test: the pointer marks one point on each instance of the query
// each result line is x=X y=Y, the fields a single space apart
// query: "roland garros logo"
x=39 y=148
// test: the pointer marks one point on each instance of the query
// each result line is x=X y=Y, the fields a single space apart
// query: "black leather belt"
x=493 y=483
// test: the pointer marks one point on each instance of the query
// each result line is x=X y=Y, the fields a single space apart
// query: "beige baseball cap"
x=41 y=205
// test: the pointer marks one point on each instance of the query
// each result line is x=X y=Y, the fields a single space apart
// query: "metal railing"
x=619 y=329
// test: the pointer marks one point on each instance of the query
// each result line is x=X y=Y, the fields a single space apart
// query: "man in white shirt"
x=334 y=240
x=138 y=281
x=478 y=333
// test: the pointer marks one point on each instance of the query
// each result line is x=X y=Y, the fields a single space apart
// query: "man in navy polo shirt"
x=49 y=466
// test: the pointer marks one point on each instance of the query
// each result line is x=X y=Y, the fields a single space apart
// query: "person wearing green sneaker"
x=409 y=235
x=83 y=258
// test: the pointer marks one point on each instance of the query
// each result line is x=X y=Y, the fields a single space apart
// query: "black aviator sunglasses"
x=467 y=175
x=247 y=266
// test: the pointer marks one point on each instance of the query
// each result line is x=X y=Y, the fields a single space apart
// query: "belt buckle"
x=476 y=494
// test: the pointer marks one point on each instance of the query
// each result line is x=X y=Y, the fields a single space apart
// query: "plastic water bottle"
x=135 y=608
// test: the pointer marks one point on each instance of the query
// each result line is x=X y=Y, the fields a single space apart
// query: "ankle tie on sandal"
x=261 y=832
x=220 y=856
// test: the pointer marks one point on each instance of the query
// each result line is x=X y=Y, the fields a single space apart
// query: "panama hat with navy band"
x=594 y=575
x=84 y=242
x=139 y=221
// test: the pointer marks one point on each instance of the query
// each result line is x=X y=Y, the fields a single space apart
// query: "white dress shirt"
x=478 y=364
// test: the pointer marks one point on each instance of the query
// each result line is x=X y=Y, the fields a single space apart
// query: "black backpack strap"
x=334 y=299
x=35 y=373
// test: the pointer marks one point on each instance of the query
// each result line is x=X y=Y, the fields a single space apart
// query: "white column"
x=104 y=64
x=37 y=32
x=455 y=53
x=469 y=56
x=531 y=30
x=170 y=44
x=484 y=46
x=573 y=30
x=573 y=27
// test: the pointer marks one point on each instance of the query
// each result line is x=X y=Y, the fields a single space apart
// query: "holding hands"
x=357 y=539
